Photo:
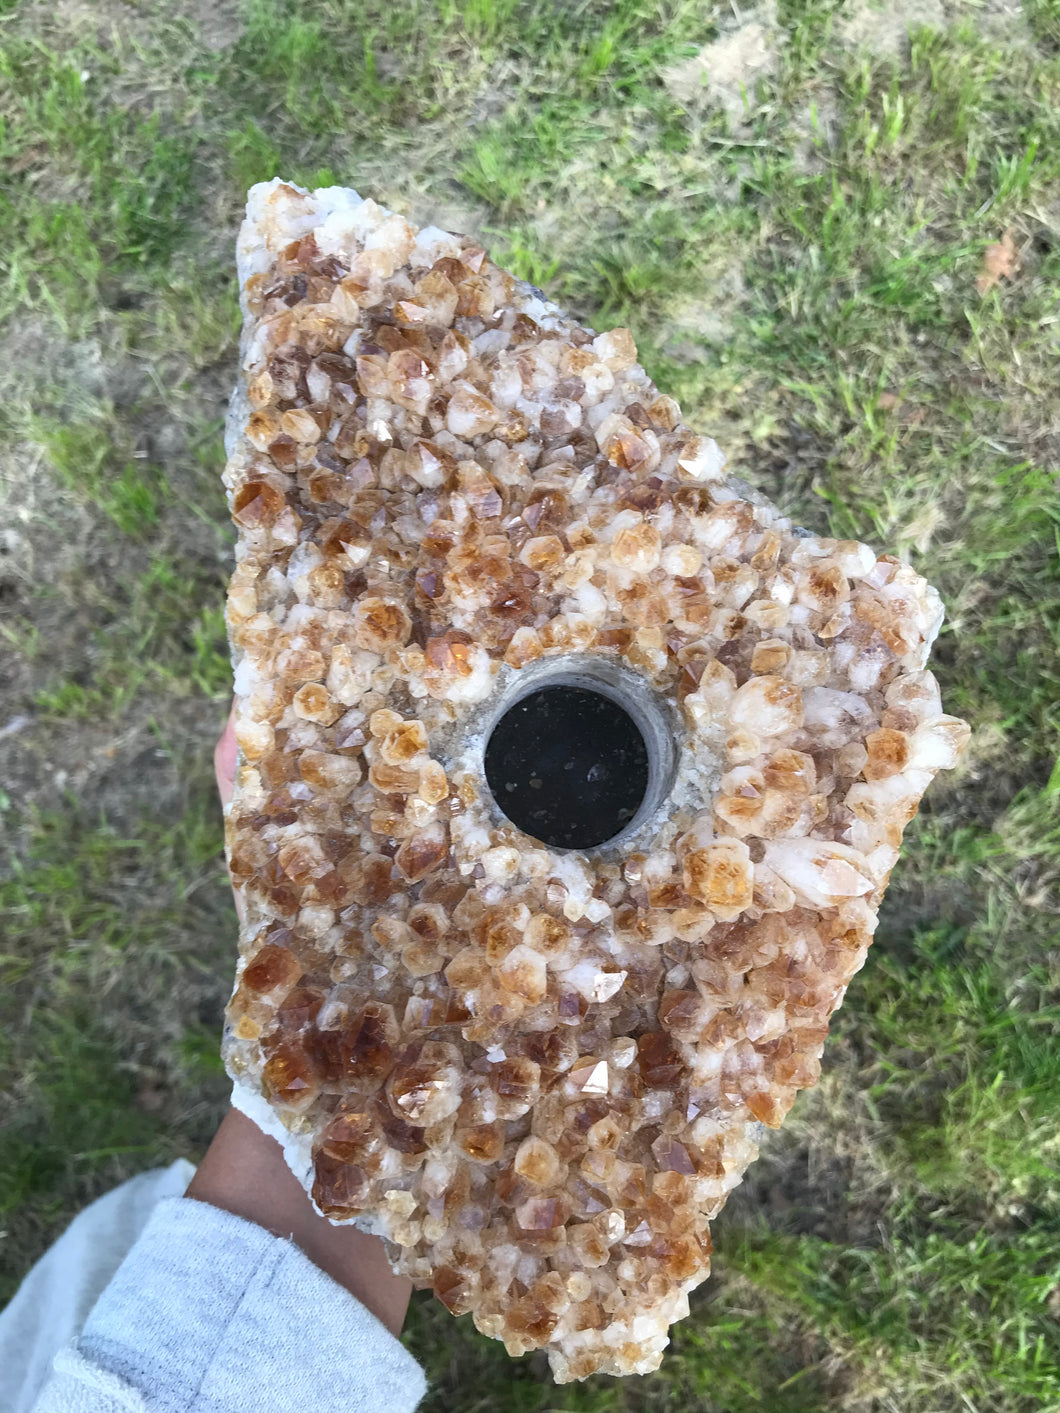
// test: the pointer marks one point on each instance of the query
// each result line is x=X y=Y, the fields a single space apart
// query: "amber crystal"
x=536 y=1072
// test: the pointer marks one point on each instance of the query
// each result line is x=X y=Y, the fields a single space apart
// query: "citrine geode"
x=537 y=1073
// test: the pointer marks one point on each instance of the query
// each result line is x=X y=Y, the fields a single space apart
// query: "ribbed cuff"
x=209 y=1313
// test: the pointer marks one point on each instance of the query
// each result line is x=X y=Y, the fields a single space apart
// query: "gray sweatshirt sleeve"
x=209 y=1313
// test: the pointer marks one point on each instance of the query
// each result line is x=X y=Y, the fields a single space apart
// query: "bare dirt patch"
x=706 y=317
x=884 y=29
x=725 y=71
x=217 y=23
x=996 y=19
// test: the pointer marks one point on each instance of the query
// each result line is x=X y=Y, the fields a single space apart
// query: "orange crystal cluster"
x=536 y=1073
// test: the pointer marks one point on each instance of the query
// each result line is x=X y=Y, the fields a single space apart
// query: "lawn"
x=835 y=232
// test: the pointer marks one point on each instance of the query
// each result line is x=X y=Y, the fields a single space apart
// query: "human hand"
x=224 y=758
x=225 y=754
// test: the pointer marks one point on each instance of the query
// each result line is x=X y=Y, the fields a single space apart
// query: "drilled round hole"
x=568 y=766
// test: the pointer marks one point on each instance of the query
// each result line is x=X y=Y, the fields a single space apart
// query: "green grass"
x=942 y=1318
x=104 y=1089
x=805 y=282
x=82 y=456
x=161 y=631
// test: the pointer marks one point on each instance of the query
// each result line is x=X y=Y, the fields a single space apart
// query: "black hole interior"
x=568 y=766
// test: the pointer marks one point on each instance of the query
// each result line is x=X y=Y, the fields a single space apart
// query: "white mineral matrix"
x=536 y=1072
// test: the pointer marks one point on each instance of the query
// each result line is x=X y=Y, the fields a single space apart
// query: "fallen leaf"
x=888 y=401
x=1000 y=262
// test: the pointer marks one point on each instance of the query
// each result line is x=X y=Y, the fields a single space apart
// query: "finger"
x=224 y=758
x=224 y=764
